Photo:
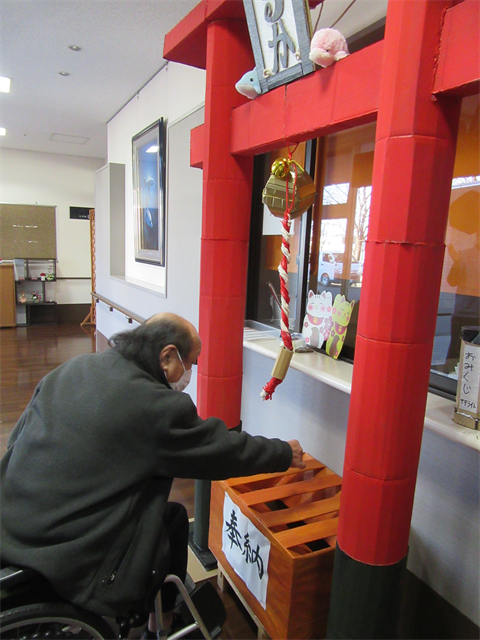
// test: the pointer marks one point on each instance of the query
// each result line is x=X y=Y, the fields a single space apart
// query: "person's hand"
x=297 y=455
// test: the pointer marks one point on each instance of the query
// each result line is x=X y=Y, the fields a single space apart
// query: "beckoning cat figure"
x=318 y=321
x=341 y=313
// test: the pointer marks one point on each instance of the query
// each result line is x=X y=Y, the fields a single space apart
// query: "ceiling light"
x=63 y=73
x=4 y=85
x=61 y=137
x=152 y=149
x=74 y=47
x=3 y=131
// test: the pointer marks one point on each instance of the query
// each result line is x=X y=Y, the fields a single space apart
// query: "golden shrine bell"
x=274 y=193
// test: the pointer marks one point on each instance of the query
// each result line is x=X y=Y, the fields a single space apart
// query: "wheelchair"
x=31 y=609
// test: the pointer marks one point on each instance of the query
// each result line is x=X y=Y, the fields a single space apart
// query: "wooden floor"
x=27 y=354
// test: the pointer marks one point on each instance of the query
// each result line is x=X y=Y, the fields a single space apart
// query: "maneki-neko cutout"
x=325 y=322
x=318 y=322
x=280 y=33
x=341 y=314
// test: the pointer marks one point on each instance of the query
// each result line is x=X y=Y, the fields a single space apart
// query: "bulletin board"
x=27 y=231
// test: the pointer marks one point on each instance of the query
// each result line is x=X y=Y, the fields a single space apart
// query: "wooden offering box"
x=298 y=512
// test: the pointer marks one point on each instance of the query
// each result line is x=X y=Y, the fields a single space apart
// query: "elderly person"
x=89 y=467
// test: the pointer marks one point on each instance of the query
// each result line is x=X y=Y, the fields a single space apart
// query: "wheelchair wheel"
x=55 y=620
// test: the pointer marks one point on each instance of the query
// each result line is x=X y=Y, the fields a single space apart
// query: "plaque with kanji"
x=280 y=33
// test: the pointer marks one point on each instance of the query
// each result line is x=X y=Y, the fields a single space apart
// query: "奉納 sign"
x=246 y=549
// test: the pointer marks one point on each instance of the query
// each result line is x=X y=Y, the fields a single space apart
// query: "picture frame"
x=148 y=173
x=280 y=34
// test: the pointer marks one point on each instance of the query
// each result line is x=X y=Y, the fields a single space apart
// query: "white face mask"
x=184 y=381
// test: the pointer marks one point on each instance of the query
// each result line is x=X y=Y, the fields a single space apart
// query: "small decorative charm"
x=249 y=85
x=328 y=46
x=341 y=313
x=50 y=277
x=42 y=277
x=288 y=175
x=22 y=298
x=35 y=296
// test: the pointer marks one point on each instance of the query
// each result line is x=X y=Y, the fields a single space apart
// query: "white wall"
x=176 y=93
x=28 y=177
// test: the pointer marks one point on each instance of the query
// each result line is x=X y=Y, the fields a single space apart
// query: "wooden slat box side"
x=299 y=579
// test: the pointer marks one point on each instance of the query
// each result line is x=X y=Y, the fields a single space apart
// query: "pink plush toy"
x=328 y=46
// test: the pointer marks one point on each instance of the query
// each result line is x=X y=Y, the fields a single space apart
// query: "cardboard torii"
x=407 y=226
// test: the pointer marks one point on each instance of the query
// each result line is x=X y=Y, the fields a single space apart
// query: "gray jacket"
x=88 y=471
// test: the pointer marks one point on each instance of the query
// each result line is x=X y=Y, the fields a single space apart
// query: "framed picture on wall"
x=148 y=166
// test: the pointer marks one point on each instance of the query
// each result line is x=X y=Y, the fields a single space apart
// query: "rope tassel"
x=279 y=372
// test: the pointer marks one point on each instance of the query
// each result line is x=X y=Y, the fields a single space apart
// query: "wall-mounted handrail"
x=112 y=305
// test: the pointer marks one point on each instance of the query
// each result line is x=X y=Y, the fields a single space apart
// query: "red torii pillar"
x=227 y=193
x=413 y=168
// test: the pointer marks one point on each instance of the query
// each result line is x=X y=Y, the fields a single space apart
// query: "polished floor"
x=29 y=353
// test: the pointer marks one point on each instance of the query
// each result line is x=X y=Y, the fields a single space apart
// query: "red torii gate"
x=416 y=91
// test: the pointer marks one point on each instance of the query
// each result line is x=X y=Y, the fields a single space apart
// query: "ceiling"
x=121 y=44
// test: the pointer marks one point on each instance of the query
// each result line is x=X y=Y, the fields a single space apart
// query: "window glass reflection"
x=459 y=302
x=340 y=218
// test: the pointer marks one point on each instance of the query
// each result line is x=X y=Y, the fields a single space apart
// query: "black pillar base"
x=365 y=599
x=204 y=556
x=198 y=537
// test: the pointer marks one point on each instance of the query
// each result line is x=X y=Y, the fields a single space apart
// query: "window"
x=328 y=242
x=263 y=303
x=459 y=303
x=339 y=224
x=328 y=245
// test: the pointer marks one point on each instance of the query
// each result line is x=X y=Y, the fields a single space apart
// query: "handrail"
x=112 y=305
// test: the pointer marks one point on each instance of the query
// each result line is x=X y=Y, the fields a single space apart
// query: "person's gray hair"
x=143 y=344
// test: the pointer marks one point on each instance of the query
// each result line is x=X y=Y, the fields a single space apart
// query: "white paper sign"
x=246 y=549
x=470 y=381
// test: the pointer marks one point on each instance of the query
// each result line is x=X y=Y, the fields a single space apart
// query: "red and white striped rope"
x=270 y=387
